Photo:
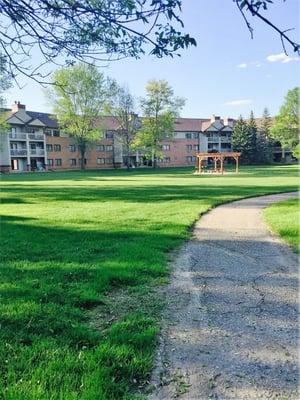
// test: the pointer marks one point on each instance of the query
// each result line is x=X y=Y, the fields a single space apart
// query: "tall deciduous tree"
x=286 y=126
x=263 y=141
x=160 y=108
x=81 y=95
x=5 y=83
x=127 y=121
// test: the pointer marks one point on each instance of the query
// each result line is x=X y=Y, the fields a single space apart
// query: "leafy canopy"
x=286 y=126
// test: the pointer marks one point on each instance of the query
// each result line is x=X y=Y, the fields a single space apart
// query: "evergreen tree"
x=244 y=138
x=264 y=154
x=250 y=150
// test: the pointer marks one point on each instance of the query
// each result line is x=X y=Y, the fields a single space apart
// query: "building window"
x=50 y=162
x=72 y=148
x=58 y=162
x=56 y=132
x=108 y=161
x=29 y=130
x=100 y=147
x=84 y=161
x=109 y=148
x=49 y=147
x=13 y=130
x=165 y=147
x=100 y=161
x=196 y=147
x=189 y=148
x=57 y=147
x=188 y=136
x=109 y=135
x=72 y=161
x=48 y=132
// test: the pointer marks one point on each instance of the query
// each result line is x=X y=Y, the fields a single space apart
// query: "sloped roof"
x=189 y=124
x=49 y=120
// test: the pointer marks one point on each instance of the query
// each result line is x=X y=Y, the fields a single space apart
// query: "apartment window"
x=55 y=132
x=13 y=145
x=196 y=147
x=165 y=147
x=188 y=136
x=48 y=132
x=108 y=161
x=109 y=135
x=84 y=161
x=72 y=161
x=109 y=148
x=57 y=147
x=195 y=135
x=72 y=148
x=100 y=147
x=29 y=130
x=58 y=162
x=50 y=162
x=191 y=159
x=13 y=130
x=49 y=147
x=100 y=161
x=189 y=148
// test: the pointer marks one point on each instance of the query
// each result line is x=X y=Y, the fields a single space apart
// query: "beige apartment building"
x=35 y=143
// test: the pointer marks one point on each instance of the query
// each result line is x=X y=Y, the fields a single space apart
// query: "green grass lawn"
x=284 y=219
x=82 y=256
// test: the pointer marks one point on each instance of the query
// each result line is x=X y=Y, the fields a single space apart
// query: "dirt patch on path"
x=231 y=325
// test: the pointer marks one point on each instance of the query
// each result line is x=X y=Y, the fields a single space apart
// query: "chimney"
x=17 y=106
x=214 y=118
x=228 y=121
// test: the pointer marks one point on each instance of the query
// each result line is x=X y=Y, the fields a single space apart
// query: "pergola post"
x=222 y=166
x=215 y=160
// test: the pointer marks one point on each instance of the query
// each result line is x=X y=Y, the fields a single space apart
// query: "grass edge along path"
x=284 y=219
x=82 y=257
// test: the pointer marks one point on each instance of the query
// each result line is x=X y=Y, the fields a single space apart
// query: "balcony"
x=37 y=152
x=225 y=139
x=213 y=139
x=18 y=152
x=18 y=136
x=35 y=136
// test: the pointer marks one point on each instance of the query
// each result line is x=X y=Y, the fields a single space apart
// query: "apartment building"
x=35 y=143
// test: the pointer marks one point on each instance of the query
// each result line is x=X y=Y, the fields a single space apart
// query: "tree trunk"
x=282 y=153
x=82 y=154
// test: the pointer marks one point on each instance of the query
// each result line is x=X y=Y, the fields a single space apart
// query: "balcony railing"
x=225 y=139
x=37 y=152
x=20 y=136
x=213 y=139
x=35 y=136
x=15 y=152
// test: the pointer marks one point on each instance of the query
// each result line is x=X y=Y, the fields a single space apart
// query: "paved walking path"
x=231 y=324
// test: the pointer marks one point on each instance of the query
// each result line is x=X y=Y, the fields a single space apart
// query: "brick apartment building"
x=35 y=142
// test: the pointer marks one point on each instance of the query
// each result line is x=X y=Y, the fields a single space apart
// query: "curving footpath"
x=231 y=324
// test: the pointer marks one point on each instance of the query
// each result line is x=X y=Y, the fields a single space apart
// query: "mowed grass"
x=82 y=257
x=284 y=219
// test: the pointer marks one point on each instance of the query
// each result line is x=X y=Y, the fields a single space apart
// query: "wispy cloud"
x=281 y=57
x=238 y=103
x=243 y=65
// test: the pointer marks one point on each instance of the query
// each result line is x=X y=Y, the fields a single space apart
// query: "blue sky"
x=227 y=74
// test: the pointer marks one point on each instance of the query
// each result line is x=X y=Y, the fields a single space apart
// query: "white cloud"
x=238 y=103
x=243 y=65
x=281 y=58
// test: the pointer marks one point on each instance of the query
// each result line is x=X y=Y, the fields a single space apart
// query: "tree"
x=243 y=139
x=286 y=126
x=5 y=83
x=87 y=30
x=127 y=121
x=264 y=153
x=160 y=108
x=81 y=96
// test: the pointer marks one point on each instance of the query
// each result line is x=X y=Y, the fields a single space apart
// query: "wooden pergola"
x=218 y=158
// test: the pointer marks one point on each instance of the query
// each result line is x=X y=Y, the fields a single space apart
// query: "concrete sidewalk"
x=231 y=326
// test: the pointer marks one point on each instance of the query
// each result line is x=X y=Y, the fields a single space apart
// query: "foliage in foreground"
x=284 y=219
x=82 y=256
